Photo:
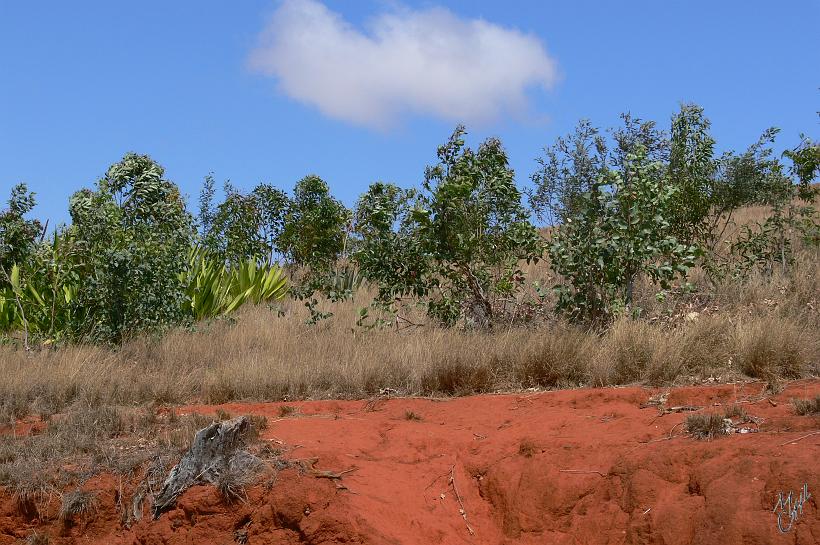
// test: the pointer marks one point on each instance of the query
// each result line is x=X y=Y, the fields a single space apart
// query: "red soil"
x=574 y=466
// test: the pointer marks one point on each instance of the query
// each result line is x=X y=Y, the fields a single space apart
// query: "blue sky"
x=265 y=91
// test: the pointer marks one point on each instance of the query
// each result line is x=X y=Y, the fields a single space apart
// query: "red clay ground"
x=574 y=466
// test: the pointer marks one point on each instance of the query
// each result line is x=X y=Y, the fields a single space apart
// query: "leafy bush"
x=18 y=235
x=130 y=234
x=763 y=245
x=40 y=300
x=567 y=171
x=455 y=244
x=242 y=226
x=691 y=170
x=619 y=231
x=314 y=231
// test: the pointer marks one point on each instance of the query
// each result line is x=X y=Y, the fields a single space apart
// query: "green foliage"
x=456 y=246
x=637 y=133
x=129 y=235
x=40 y=299
x=272 y=205
x=212 y=289
x=12 y=311
x=242 y=226
x=758 y=177
x=767 y=245
x=315 y=227
x=691 y=171
x=314 y=238
x=18 y=235
x=388 y=251
x=752 y=177
x=637 y=204
x=345 y=281
x=206 y=204
x=805 y=160
x=566 y=171
x=619 y=232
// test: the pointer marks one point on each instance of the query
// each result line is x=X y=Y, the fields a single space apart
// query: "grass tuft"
x=288 y=410
x=77 y=505
x=37 y=539
x=736 y=411
x=527 y=448
x=706 y=426
x=807 y=407
x=231 y=486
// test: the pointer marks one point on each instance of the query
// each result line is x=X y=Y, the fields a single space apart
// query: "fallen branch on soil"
x=307 y=467
x=461 y=510
x=668 y=438
x=680 y=409
x=799 y=439
x=601 y=473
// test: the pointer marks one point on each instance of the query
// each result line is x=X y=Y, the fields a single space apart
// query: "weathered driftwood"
x=217 y=450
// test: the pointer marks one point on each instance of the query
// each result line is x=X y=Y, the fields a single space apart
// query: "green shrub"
x=130 y=235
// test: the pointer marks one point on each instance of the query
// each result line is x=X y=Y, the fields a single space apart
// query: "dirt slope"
x=577 y=466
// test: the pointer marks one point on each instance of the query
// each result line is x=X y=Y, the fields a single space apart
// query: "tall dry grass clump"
x=776 y=347
x=261 y=356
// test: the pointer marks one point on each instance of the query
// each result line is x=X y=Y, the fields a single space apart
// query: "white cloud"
x=427 y=62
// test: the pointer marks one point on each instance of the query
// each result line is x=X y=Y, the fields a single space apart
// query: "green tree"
x=387 y=252
x=692 y=169
x=132 y=235
x=18 y=235
x=619 y=232
x=242 y=226
x=315 y=227
x=635 y=133
x=765 y=245
x=234 y=232
x=272 y=205
x=567 y=170
x=805 y=158
x=458 y=244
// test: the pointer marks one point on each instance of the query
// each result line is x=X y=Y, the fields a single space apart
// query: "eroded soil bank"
x=597 y=466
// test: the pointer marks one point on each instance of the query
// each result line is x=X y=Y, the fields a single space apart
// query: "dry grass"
x=77 y=505
x=262 y=357
x=231 y=485
x=37 y=539
x=528 y=448
x=706 y=426
x=807 y=407
x=736 y=412
x=85 y=441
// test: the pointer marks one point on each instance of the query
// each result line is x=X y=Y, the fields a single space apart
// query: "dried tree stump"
x=216 y=450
